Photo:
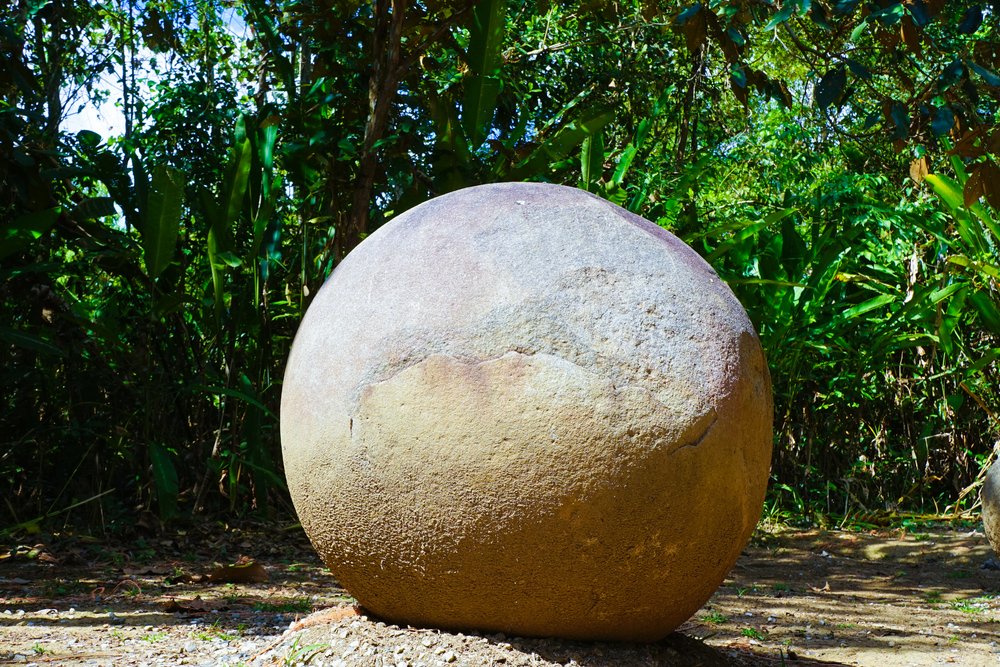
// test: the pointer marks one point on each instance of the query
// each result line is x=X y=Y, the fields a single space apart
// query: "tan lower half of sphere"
x=528 y=495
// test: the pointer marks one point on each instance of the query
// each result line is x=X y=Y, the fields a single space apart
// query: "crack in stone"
x=700 y=439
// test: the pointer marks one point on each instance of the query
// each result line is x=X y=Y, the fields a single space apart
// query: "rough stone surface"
x=520 y=408
x=990 y=495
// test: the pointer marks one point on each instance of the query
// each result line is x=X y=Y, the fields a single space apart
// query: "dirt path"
x=861 y=599
x=794 y=598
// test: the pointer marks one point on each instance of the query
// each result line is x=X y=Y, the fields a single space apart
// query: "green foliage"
x=151 y=281
x=26 y=228
x=482 y=85
x=874 y=359
x=161 y=219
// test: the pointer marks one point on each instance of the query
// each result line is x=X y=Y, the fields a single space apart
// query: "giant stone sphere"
x=520 y=408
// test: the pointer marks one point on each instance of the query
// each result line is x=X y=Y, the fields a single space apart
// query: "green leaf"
x=782 y=15
x=624 y=163
x=982 y=267
x=482 y=85
x=26 y=228
x=236 y=393
x=763 y=281
x=168 y=304
x=88 y=138
x=950 y=74
x=216 y=266
x=989 y=312
x=947 y=189
x=985 y=360
x=943 y=293
x=269 y=137
x=229 y=258
x=688 y=13
x=223 y=216
x=236 y=185
x=163 y=216
x=867 y=306
x=486 y=34
x=779 y=215
x=739 y=240
x=793 y=249
x=35 y=6
x=900 y=120
x=592 y=161
x=988 y=221
x=943 y=120
x=264 y=217
x=858 y=30
x=971 y=20
x=479 y=107
x=918 y=10
x=831 y=87
x=642 y=132
x=29 y=342
x=164 y=480
x=738 y=76
x=989 y=76
x=950 y=319
x=270 y=188
x=890 y=14
x=447 y=129
x=859 y=70
x=93 y=208
x=560 y=144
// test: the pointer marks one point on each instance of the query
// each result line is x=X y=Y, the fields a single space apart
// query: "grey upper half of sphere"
x=519 y=267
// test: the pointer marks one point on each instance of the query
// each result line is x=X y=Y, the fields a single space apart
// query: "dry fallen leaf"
x=320 y=617
x=326 y=616
x=194 y=606
x=918 y=169
x=244 y=571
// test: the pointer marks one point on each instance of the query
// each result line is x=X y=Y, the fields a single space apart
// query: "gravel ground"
x=324 y=641
x=794 y=598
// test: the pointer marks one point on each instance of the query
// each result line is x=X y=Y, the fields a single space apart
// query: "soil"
x=795 y=597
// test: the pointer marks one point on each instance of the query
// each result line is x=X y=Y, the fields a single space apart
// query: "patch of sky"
x=98 y=105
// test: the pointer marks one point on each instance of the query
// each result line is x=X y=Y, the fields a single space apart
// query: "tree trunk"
x=382 y=89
